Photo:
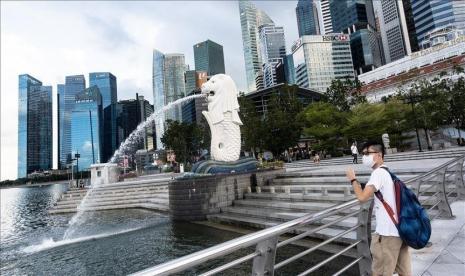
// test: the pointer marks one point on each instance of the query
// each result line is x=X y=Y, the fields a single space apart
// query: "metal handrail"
x=228 y=247
x=259 y=237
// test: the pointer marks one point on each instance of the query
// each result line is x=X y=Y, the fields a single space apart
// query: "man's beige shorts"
x=390 y=254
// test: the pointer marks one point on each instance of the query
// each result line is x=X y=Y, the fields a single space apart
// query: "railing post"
x=364 y=234
x=443 y=206
x=459 y=180
x=263 y=264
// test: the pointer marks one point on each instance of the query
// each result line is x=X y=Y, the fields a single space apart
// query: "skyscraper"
x=73 y=85
x=272 y=51
x=35 y=135
x=106 y=83
x=307 y=18
x=132 y=113
x=392 y=25
x=61 y=102
x=251 y=19
x=324 y=16
x=357 y=19
x=319 y=59
x=208 y=56
x=86 y=127
x=168 y=80
x=433 y=14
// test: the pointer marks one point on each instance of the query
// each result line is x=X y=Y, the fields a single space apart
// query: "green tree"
x=344 y=94
x=281 y=128
x=398 y=123
x=252 y=128
x=455 y=93
x=184 y=139
x=366 y=122
x=324 y=122
x=431 y=109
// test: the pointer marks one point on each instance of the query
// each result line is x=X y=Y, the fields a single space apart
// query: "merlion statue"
x=385 y=138
x=223 y=118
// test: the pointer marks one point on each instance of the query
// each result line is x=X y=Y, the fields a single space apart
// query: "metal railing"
x=438 y=185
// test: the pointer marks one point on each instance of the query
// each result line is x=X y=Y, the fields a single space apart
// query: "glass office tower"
x=208 y=56
x=86 y=127
x=106 y=82
x=273 y=51
x=307 y=18
x=319 y=59
x=430 y=15
x=35 y=135
x=73 y=85
x=168 y=80
x=60 y=104
x=356 y=18
x=251 y=19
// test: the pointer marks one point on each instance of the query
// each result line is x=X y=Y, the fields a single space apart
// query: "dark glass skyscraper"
x=356 y=17
x=131 y=113
x=106 y=82
x=86 y=130
x=73 y=86
x=61 y=102
x=35 y=135
x=307 y=18
x=208 y=56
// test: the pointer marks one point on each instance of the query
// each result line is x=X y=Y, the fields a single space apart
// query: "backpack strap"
x=388 y=208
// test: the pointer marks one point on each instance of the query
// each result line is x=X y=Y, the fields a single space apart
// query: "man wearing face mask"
x=390 y=254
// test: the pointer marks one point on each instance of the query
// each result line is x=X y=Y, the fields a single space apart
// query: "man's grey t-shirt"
x=382 y=181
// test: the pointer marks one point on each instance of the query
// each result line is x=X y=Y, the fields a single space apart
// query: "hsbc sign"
x=335 y=38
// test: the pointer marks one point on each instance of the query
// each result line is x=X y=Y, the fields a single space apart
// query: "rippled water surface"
x=108 y=243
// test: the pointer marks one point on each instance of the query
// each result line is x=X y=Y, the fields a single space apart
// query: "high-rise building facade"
x=209 y=57
x=35 y=135
x=251 y=19
x=318 y=59
x=86 y=128
x=357 y=19
x=106 y=83
x=133 y=112
x=272 y=50
x=168 y=80
x=307 y=18
x=60 y=104
x=392 y=26
x=324 y=16
x=73 y=85
x=433 y=14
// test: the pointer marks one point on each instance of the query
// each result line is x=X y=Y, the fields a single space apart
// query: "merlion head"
x=222 y=98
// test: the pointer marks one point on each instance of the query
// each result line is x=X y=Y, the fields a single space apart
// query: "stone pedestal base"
x=247 y=164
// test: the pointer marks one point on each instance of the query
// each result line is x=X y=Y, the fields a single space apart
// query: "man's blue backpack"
x=413 y=225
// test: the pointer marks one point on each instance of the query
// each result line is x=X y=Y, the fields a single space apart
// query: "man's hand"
x=350 y=173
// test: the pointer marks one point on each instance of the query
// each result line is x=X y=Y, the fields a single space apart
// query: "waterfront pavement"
x=446 y=256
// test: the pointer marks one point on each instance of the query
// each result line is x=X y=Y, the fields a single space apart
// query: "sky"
x=50 y=40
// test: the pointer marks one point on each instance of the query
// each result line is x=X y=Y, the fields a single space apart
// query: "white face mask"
x=368 y=161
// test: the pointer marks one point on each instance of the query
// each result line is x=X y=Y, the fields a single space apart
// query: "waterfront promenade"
x=446 y=256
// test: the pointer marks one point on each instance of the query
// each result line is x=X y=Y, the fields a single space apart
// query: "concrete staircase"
x=401 y=156
x=297 y=193
x=145 y=192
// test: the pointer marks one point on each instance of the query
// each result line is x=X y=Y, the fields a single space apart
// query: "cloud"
x=50 y=40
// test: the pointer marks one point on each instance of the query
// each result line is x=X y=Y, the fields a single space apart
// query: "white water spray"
x=134 y=137
x=124 y=148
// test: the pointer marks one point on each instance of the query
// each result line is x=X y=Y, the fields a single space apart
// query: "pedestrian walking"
x=390 y=253
x=354 y=151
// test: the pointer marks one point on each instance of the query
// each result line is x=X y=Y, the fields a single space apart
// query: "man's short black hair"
x=378 y=146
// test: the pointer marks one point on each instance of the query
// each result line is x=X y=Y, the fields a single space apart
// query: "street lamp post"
x=412 y=99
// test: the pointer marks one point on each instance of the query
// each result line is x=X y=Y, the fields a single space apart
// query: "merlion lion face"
x=219 y=86
x=221 y=94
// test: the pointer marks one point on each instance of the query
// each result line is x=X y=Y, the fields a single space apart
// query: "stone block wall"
x=195 y=198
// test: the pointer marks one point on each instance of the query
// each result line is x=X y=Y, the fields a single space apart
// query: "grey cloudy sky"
x=50 y=40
